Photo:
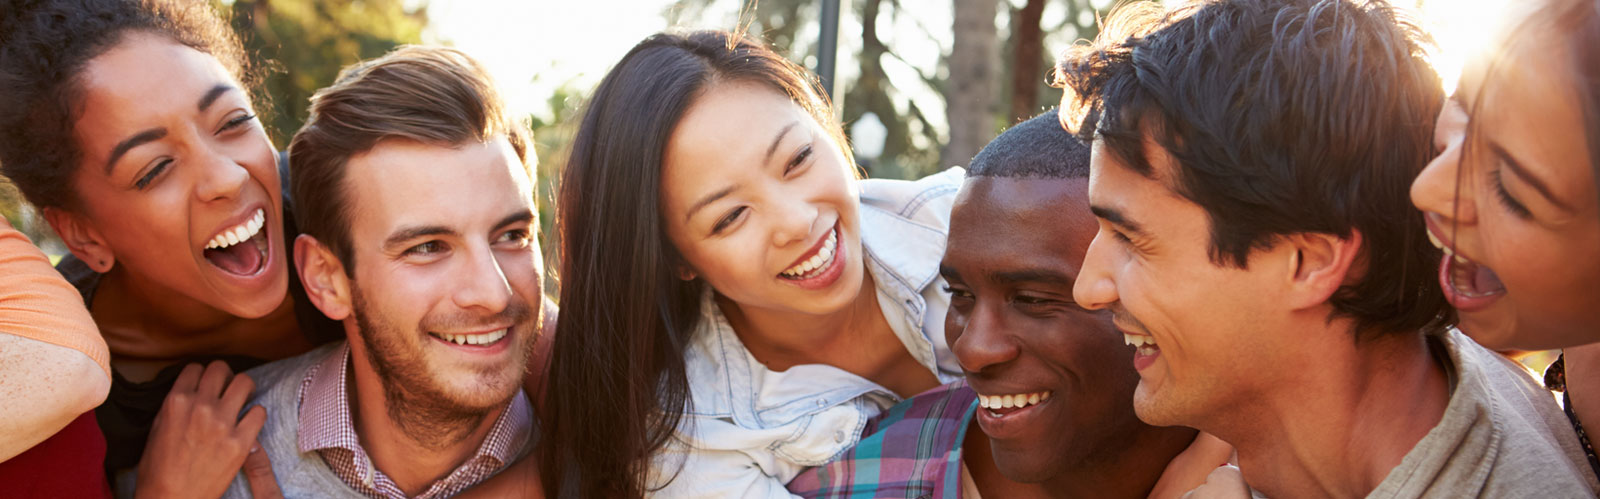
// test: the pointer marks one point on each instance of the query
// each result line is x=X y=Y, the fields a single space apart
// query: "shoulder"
x=927 y=199
x=286 y=374
x=910 y=445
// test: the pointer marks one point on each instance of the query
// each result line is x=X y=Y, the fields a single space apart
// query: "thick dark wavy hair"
x=1283 y=117
x=45 y=45
x=617 y=372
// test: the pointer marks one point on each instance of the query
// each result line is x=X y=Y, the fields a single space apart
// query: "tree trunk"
x=1027 y=38
x=970 y=91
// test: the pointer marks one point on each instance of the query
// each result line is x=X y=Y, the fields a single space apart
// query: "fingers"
x=188 y=378
x=215 y=377
x=258 y=471
x=250 y=425
x=238 y=393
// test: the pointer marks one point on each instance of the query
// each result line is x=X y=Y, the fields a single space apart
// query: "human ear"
x=82 y=238
x=323 y=276
x=1319 y=264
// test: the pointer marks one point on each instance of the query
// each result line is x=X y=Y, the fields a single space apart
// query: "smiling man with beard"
x=1046 y=409
x=417 y=198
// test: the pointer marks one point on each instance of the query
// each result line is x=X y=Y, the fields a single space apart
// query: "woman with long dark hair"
x=1512 y=197
x=130 y=124
x=735 y=302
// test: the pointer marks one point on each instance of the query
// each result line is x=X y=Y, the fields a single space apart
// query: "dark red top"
x=70 y=463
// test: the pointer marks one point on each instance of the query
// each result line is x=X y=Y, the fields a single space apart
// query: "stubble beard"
x=413 y=400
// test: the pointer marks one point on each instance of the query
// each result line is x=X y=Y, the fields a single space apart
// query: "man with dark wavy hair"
x=1257 y=246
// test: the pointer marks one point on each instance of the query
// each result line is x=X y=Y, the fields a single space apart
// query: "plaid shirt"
x=327 y=427
x=913 y=450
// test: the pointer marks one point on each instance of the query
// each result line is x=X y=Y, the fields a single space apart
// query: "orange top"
x=38 y=304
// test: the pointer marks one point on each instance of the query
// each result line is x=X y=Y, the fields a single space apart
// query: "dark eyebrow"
x=137 y=140
x=779 y=139
x=1522 y=172
x=212 y=95
x=519 y=218
x=1042 y=276
x=1117 y=218
x=710 y=198
x=408 y=233
x=948 y=272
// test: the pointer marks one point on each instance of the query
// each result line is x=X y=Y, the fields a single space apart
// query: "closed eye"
x=237 y=122
x=152 y=174
x=799 y=159
x=727 y=220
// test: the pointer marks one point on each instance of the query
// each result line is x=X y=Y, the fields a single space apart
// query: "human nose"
x=482 y=283
x=1095 y=287
x=221 y=177
x=1438 y=189
x=983 y=342
x=795 y=220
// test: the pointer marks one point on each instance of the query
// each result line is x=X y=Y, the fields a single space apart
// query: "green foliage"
x=303 y=44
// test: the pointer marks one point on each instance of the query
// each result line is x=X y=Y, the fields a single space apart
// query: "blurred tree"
x=304 y=44
x=974 y=74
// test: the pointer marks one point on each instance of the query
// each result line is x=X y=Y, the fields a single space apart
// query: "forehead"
x=1021 y=222
x=728 y=129
x=143 y=80
x=406 y=183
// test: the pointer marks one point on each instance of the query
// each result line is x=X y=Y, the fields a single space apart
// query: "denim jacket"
x=749 y=430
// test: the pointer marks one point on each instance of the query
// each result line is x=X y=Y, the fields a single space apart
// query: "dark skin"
x=1016 y=330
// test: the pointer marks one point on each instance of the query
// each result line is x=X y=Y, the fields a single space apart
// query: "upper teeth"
x=1139 y=340
x=239 y=233
x=1010 y=401
x=823 y=256
x=1439 y=244
x=473 y=339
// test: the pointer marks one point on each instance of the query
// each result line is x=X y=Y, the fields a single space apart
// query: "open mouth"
x=1144 y=349
x=1468 y=284
x=240 y=250
x=821 y=266
x=1000 y=406
x=473 y=340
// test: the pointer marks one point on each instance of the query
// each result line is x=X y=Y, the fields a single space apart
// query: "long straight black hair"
x=617 y=382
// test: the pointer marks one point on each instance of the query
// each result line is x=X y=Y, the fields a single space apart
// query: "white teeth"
x=1012 y=401
x=823 y=257
x=1139 y=340
x=473 y=339
x=239 y=233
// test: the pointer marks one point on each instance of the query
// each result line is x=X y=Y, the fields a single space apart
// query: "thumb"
x=258 y=472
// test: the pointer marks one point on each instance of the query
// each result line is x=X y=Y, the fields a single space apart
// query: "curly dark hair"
x=1283 y=117
x=47 y=44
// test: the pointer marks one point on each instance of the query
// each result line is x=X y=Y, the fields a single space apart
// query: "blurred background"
x=921 y=85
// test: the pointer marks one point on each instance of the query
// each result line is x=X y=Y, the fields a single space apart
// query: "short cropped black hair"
x=1037 y=148
x=1283 y=117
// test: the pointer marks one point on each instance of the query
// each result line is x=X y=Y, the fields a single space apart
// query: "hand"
x=1225 y=482
x=1192 y=466
x=198 y=442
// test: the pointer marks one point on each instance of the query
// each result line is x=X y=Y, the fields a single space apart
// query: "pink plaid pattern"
x=327 y=427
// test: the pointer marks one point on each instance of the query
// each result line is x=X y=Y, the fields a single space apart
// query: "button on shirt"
x=749 y=430
x=326 y=426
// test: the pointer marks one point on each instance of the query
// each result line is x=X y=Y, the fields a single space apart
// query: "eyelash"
x=1517 y=208
x=236 y=122
x=727 y=220
x=794 y=164
x=151 y=176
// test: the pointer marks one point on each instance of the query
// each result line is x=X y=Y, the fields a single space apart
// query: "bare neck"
x=413 y=445
x=1339 y=428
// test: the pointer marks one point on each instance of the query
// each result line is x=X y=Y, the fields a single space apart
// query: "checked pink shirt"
x=327 y=427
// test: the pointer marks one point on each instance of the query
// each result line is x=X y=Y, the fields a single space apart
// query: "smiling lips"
x=999 y=403
x=1468 y=285
x=488 y=338
x=226 y=252
x=813 y=266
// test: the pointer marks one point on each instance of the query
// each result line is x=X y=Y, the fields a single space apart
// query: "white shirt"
x=749 y=430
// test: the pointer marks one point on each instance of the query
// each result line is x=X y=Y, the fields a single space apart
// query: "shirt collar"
x=326 y=423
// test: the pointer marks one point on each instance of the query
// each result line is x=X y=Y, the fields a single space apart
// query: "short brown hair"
x=432 y=95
